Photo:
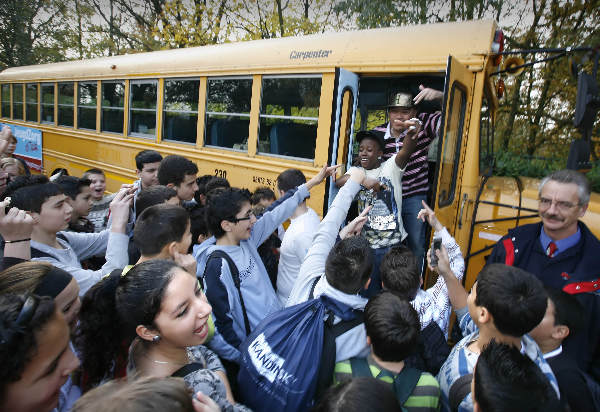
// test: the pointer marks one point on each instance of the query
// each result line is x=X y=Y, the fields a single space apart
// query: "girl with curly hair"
x=160 y=311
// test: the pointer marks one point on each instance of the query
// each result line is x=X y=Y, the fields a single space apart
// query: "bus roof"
x=420 y=48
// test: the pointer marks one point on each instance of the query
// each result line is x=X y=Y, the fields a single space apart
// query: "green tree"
x=31 y=31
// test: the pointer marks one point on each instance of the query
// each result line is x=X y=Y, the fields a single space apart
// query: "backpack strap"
x=459 y=389
x=360 y=367
x=405 y=383
x=36 y=253
x=235 y=275
x=187 y=369
x=330 y=333
x=345 y=325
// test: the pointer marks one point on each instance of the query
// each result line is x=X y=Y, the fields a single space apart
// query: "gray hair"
x=570 y=176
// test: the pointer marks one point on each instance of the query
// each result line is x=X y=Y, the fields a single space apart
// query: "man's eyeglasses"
x=248 y=216
x=562 y=205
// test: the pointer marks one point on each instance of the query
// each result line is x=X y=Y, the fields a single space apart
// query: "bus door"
x=346 y=101
x=450 y=199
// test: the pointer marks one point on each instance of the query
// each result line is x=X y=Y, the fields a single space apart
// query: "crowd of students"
x=149 y=298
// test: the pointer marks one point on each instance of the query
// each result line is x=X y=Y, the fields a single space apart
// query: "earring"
x=156 y=338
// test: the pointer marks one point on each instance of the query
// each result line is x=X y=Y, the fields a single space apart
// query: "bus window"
x=31 y=102
x=289 y=115
x=86 y=105
x=452 y=143
x=180 y=118
x=228 y=112
x=486 y=138
x=5 y=96
x=112 y=109
x=47 y=103
x=66 y=92
x=142 y=108
x=18 y=101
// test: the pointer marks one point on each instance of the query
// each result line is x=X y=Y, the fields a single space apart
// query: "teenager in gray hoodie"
x=238 y=233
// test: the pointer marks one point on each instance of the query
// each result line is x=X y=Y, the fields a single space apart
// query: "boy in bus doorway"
x=415 y=182
x=384 y=227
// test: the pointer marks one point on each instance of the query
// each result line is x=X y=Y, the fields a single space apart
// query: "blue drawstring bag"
x=281 y=358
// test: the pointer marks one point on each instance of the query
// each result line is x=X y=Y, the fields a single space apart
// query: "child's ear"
x=560 y=332
x=484 y=316
x=226 y=225
x=145 y=333
x=368 y=341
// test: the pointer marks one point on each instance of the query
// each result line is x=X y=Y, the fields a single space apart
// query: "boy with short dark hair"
x=564 y=317
x=505 y=380
x=200 y=195
x=265 y=196
x=179 y=173
x=238 y=234
x=80 y=197
x=504 y=304
x=147 y=163
x=392 y=333
x=163 y=232
x=48 y=205
x=155 y=195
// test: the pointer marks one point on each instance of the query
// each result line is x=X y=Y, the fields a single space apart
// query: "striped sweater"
x=424 y=397
x=415 y=179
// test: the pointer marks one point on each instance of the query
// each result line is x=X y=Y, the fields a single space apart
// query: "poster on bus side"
x=29 y=145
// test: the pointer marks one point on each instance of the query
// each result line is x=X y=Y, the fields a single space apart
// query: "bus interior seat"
x=293 y=139
x=227 y=132
x=182 y=129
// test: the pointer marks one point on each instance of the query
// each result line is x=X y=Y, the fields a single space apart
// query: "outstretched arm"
x=314 y=262
x=409 y=144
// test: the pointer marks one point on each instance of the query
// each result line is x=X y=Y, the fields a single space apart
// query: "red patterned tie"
x=551 y=249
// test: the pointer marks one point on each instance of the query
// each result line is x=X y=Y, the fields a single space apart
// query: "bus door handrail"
x=474 y=222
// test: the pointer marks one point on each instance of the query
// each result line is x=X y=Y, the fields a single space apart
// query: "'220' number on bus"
x=221 y=173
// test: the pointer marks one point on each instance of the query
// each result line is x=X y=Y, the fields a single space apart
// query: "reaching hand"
x=187 y=261
x=119 y=209
x=372 y=184
x=426 y=214
x=203 y=403
x=355 y=227
x=326 y=171
x=427 y=94
x=443 y=265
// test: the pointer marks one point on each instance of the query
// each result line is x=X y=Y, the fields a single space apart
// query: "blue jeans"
x=375 y=285
x=415 y=228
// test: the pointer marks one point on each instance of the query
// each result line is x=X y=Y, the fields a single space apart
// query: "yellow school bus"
x=247 y=111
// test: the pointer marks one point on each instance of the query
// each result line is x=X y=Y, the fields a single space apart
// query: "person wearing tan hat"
x=403 y=108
